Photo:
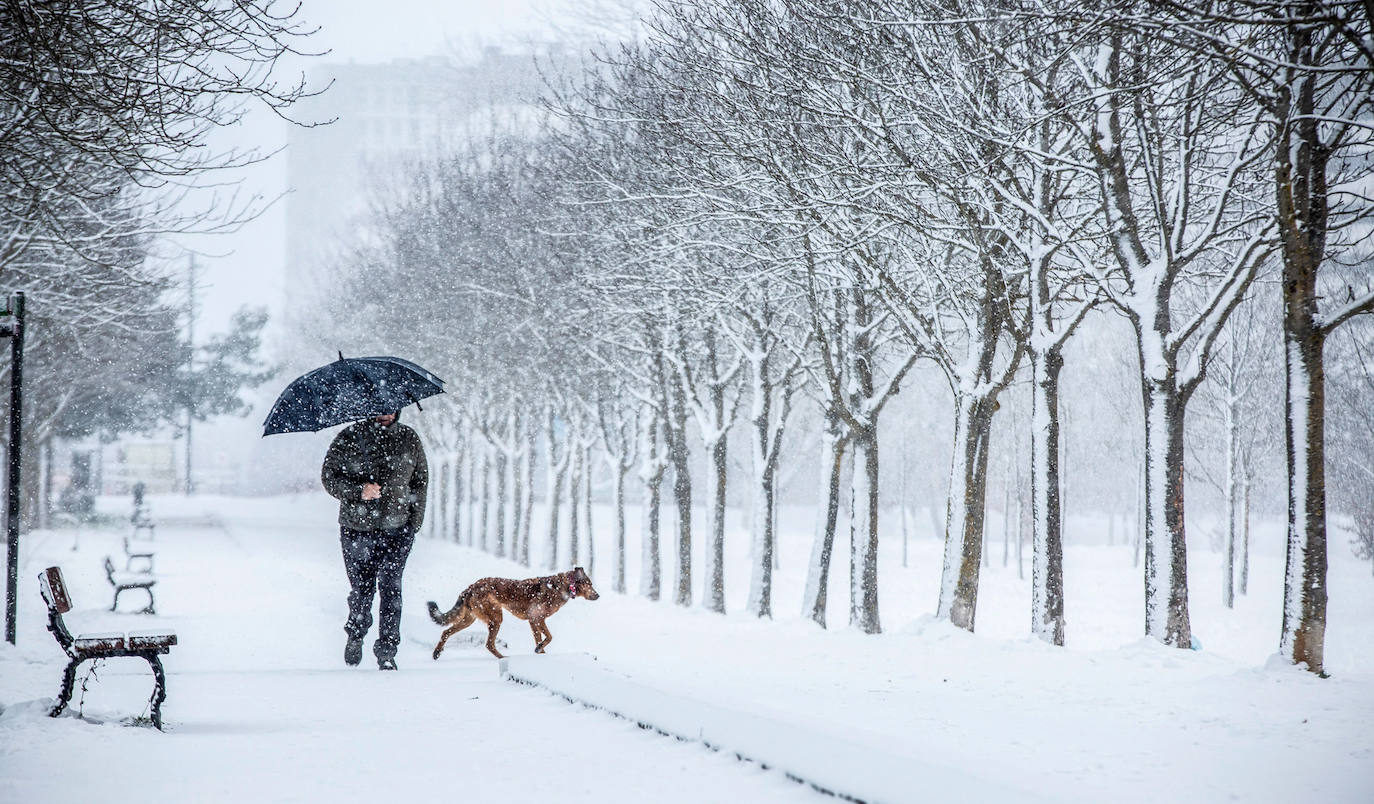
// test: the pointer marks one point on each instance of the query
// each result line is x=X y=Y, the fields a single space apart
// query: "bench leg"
x=149 y=609
x=159 y=688
x=68 y=683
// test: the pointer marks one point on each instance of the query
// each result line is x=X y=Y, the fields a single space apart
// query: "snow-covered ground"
x=261 y=707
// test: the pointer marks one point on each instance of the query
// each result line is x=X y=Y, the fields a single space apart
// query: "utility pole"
x=14 y=330
x=190 y=365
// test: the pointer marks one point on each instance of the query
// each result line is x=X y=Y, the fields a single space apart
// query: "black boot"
x=353 y=652
x=386 y=664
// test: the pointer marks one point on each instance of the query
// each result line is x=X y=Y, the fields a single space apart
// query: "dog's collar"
x=572 y=589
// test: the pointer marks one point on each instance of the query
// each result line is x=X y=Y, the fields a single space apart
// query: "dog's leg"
x=492 y=629
x=537 y=626
x=464 y=620
x=448 y=632
x=493 y=620
x=548 y=637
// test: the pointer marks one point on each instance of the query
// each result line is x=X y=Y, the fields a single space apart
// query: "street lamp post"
x=14 y=330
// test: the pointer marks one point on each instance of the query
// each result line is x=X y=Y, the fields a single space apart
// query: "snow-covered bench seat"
x=146 y=645
x=124 y=581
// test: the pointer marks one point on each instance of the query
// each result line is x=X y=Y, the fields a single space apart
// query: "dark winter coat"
x=393 y=458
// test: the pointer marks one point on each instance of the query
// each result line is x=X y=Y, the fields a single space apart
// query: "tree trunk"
x=714 y=593
x=765 y=544
x=502 y=469
x=1047 y=552
x=618 y=502
x=818 y=572
x=45 y=496
x=472 y=492
x=436 y=494
x=965 y=511
x=1139 y=515
x=1228 y=579
x=1020 y=538
x=863 y=534
x=1245 y=535
x=651 y=472
x=485 y=523
x=554 y=475
x=527 y=522
x=587 y=509
x=768 y=425
x=1166 y=551
x=575 y=506
x=517 y=475
x=1304 y=588
x=680 y=458
x=1006 y=515
x=455 y=497
x=986 y=557
x=764 y=516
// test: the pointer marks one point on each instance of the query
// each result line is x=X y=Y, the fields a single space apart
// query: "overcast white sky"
x=245 y=267
x=368 y=30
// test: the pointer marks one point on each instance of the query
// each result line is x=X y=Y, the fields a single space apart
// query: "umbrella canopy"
x=348 y=390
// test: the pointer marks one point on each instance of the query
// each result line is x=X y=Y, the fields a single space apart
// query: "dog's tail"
x=446 y=617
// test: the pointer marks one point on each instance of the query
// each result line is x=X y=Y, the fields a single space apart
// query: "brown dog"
x=533 y=599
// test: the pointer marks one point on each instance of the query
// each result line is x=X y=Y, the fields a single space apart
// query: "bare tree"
x=1237 y=395
x=715 y=391
x=765 y=335
x=1176 y=158
x=1307 y=70
x=100 y=97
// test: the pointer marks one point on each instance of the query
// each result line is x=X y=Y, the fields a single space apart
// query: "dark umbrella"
x=348 y=390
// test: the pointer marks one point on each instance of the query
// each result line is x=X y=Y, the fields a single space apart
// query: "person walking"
x=377 y=470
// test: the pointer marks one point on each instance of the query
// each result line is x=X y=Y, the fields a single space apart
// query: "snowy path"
x=262 y=708
x=339 y=736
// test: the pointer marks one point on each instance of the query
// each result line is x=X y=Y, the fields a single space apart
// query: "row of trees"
x=759 y=205
x=105 y=111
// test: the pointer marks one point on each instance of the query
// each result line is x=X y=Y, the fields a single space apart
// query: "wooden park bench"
x=146 y=645
x=123 y=581
x=137 y=552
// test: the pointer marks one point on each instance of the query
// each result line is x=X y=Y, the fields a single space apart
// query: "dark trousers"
x=374 y=560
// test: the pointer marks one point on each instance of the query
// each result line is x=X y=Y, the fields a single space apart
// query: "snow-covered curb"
x=821 y=759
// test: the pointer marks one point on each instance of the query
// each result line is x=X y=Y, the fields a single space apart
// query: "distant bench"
x=146 y=645
x=123 y=581
x=143 y=525
x=143 y=530
x=135 y=552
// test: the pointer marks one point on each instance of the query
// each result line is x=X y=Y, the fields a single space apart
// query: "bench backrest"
x=54 y=590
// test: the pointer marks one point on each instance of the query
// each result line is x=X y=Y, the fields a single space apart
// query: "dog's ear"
x=579 y=571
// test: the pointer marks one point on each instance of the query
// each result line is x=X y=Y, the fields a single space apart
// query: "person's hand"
x=372 y=491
